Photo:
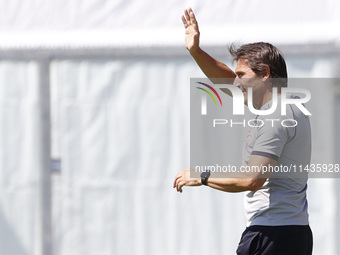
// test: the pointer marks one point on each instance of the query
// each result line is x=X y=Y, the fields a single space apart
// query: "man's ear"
x=266 y=72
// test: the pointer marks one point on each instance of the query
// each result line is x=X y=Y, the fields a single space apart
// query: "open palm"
x=191 y=30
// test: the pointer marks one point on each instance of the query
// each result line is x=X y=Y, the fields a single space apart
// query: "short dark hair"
x=260 y=54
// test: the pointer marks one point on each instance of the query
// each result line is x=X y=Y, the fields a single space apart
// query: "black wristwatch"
x=204 y=177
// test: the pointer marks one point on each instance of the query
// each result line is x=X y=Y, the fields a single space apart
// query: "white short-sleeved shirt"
x=282 y=198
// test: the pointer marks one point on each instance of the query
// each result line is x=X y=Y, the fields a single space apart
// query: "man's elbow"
x=255 y=184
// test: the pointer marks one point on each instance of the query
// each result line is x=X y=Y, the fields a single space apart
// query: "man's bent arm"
x=251 y=181
x=212 y=68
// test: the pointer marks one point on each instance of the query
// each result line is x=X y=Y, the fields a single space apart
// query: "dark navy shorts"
x=276 y=240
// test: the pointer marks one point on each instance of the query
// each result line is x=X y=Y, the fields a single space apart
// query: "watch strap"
x=204 y=177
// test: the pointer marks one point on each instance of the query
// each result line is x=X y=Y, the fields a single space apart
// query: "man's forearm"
x=235 y=184
x=211 y=67
x=242 y=181
x=248 y=180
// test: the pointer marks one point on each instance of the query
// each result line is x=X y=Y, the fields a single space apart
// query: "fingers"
x=178 y=184
x=176 y=179
x=189 y=17
x=192 y=16
x=184 y=21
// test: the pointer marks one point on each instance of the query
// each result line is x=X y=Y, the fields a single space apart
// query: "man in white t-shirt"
x=275 y=202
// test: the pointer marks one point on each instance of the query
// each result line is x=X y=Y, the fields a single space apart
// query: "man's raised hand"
x=191 y=30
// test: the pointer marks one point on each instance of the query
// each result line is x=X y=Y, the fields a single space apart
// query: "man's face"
x=245 y=78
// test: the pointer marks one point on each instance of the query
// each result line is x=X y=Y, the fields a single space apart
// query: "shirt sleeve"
x=271 y=139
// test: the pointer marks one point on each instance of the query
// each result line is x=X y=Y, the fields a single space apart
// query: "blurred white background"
x=103 y=88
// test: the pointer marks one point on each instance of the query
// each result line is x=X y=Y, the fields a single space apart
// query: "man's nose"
x=237 y=82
